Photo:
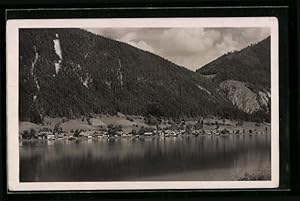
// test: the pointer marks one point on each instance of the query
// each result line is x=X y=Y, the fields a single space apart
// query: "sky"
x=188 y=47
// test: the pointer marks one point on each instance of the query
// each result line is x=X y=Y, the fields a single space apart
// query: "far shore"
x=129 y=126
x=138 y=137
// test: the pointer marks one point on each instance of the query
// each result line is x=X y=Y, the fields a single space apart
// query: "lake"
x=156 y=158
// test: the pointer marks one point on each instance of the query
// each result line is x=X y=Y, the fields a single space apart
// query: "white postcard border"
x=12 y=73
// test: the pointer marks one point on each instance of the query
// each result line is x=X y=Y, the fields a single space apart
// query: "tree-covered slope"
x=251 y=65
x=72 y=72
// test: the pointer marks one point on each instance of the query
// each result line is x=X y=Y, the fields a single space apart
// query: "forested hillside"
x=251 y=65
x=244 y=77
x=72 y=72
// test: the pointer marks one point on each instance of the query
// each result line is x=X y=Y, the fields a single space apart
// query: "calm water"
x=155 y=158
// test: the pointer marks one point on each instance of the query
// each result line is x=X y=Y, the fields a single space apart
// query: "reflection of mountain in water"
x=125 y=159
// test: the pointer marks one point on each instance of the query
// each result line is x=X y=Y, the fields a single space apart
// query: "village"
x=199 y=128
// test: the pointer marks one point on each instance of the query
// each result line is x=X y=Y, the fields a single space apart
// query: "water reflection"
x=153 y=158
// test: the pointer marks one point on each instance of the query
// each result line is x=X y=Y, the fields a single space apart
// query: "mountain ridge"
x=233 y=65
x=244 y=77
x=72 y=72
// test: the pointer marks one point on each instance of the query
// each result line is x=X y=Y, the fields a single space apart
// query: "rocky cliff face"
x=244 y=77
x=244 y=98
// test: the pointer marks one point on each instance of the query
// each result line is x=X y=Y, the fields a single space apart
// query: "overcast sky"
x=188 y=47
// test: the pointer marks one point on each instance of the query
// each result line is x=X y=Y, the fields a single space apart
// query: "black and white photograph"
x=97 y=104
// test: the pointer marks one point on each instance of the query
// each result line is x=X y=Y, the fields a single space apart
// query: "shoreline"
x=81 y=138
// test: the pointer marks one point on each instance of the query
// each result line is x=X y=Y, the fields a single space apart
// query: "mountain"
x=244 y=77
x=72 y=72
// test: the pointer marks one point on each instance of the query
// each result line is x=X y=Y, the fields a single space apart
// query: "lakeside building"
x=50 y=137
x=148 y=133
x=44 y=134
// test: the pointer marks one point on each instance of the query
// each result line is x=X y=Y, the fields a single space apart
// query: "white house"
x=50 y=137
x=148 y=133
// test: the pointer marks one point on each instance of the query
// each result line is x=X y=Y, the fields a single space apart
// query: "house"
x=100 y=133
x=61 y=135
x=148 y=133
x=44 y=134
x=87 y=133
x=195 y=132
x=119 y=133
x=170 y=132
x=71 y=137
x=83 y=133
x=50 y=137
